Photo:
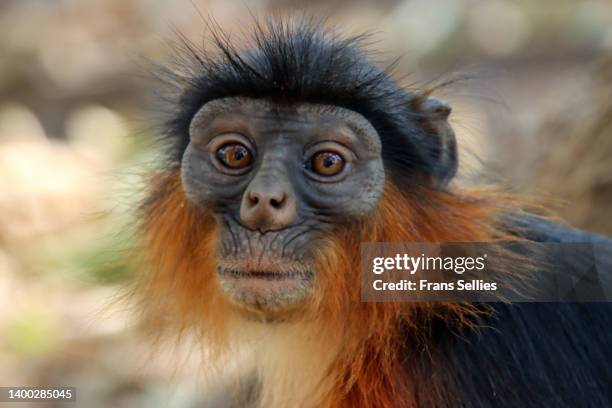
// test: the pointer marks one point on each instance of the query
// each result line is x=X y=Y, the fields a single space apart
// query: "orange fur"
x=370 y=370
x=180 y=246
x=357 y=343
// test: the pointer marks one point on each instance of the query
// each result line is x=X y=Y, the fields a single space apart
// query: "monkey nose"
x=267 y=210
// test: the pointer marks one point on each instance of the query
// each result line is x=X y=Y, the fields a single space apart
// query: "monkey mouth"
x=265 y=275
x=274 y=288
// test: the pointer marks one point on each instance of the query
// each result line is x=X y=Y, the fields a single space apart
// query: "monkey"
x=281 y=158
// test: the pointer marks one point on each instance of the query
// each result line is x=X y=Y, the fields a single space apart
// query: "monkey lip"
x=264 y=275
x=267 y=268
x=266 y=287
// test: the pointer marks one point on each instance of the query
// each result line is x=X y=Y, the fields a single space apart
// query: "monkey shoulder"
x=525 y=354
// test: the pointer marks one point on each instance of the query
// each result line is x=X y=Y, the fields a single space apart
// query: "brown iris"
x=327 y=163
x=235 y=155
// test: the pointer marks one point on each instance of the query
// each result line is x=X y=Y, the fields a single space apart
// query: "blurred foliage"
x=32 y=333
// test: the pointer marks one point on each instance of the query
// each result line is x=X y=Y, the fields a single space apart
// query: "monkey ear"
x=440 y=137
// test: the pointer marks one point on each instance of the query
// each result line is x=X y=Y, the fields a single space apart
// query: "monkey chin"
x=271 y=293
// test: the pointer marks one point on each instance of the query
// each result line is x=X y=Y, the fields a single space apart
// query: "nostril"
x=253 y=199
x=276 y=203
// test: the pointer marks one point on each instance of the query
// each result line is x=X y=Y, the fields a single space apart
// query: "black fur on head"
x=293 y=62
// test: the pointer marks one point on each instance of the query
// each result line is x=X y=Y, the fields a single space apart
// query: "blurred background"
x=74 y=118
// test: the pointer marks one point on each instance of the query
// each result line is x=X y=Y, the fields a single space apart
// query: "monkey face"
x=279 y=180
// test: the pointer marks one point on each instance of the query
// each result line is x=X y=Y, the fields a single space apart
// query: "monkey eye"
x=234 y=155
x=327 y=163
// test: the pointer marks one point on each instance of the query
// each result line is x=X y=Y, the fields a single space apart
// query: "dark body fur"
x=523 y=354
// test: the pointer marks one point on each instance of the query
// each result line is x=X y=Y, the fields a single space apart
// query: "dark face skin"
x=278 y=180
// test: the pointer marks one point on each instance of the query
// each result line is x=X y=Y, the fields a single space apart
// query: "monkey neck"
x=322 y=363
x=292 y=361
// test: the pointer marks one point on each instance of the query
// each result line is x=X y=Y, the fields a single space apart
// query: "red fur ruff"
x=181 y=286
